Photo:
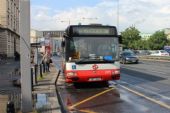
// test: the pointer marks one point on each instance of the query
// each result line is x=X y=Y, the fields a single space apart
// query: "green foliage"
x=158 y=40
x=130 y=36
x=140 y=45
x=168 y=43
x=131 y=39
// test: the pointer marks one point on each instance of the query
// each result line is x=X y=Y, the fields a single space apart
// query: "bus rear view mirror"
x=120 y=39
x=63 y=44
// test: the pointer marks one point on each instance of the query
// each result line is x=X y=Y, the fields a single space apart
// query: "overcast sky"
x=146 y=15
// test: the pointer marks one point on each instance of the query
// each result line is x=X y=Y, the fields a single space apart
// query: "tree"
x=168 y=42
x=130 y=36
x=158 y=40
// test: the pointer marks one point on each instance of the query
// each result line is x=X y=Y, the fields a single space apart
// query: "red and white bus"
x=90 y=53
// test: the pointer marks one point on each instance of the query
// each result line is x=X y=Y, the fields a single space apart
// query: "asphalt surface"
x=143 y=88
x=155 y=74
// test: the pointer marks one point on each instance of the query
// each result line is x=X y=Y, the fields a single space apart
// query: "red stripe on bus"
x=84 y=75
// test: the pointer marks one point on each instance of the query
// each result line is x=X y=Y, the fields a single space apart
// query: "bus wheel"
x=76 y=84
x=105 y=84
x=136 y=62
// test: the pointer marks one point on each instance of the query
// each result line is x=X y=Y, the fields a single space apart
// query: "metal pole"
x=32 y=74
x=37 y=49
x=44 y=68
x=36 y=72
x=118 y=16
x=41 y=71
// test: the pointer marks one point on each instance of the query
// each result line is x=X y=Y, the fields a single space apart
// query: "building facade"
x=9 y=27
x=145 y=36
x=36 y=36
x=55 y=38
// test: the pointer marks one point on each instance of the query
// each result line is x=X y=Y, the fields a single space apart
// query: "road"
x=151 y=76
x=143 y=88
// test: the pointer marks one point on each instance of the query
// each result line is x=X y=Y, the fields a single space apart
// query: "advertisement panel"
x=48 y=46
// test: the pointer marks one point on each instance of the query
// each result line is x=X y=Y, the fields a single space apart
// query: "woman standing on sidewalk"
x=46 y=60
x=48 y=63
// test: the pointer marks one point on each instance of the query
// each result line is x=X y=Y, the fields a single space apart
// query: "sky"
x=147 y=16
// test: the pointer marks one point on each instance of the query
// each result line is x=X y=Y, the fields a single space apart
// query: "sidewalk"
x=44 y=94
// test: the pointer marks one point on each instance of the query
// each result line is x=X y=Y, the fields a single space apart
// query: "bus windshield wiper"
x=109 y=61
x=87 y=60
x=82 y=60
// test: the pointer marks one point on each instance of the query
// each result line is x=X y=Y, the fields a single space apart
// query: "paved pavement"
x=44 y=94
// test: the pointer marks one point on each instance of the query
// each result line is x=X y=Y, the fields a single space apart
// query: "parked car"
x=142 y=52
x=167 y=49
x=128 y=57
x=160 y=53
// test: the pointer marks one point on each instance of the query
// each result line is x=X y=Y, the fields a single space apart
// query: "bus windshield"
x=96 y=48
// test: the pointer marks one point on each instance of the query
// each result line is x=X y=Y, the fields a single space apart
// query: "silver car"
x=128 y=57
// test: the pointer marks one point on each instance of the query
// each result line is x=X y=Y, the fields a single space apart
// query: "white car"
x=160 y=53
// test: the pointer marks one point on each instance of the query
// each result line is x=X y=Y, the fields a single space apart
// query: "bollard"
x=41 y=71
x=34 y=97
x=36 y=72
x=43 y=67
x=32 y=74
x=10 y=107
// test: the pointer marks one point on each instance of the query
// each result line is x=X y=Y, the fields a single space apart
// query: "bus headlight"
x=116 y=75
x=117 y=72
x=71 y=74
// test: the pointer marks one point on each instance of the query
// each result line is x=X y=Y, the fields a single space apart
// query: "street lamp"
x=66 y=21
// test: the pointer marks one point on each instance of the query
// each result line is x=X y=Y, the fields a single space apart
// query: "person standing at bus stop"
x=44 y=61
x=48 y=62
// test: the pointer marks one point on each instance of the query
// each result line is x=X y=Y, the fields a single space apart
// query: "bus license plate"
x=95 y=79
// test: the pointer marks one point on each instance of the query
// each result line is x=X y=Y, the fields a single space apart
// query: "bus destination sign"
x=93 y=31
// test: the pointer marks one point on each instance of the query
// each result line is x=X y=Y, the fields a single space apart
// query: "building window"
x=7 y=4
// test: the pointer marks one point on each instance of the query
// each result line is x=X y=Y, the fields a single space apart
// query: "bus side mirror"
x=120 y=39
x=63 y=44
